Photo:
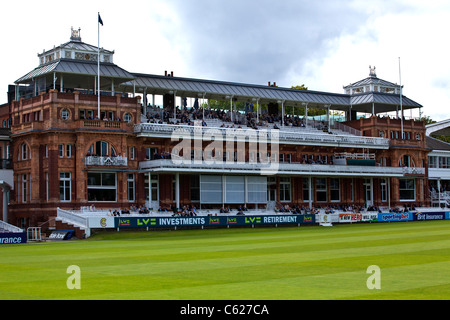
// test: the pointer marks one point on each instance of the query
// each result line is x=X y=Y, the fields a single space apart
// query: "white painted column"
x=5 y=204
x=310 y=192
x=175 y=106
x=150 y=196
x=177 y=190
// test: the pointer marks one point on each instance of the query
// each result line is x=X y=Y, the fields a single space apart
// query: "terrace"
x=285 y=135
x=292 y=169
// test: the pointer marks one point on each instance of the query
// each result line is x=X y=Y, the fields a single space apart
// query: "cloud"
x=258 y=41
x=323 y=44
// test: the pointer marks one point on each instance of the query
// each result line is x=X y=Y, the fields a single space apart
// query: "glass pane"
x=109 y=179
x=101 y=195
x=94 y=179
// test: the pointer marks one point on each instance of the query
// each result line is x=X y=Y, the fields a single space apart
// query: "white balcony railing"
x=272 y=168
x=284 y=135
x=106 y=161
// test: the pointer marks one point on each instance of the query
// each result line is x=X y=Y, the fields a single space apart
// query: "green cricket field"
x=376 y=261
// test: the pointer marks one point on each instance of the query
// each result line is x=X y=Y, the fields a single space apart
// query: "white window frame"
x=67 y=184
x=285 y=186
x=24 y=188
x=24 y=151
x=383 y=190
x=334 y=189
x=414 y=190
x=131 y=186
x=61 y=150
x=321 y=190
x=65 y=114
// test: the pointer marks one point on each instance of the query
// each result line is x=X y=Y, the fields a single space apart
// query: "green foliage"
x=427 y=120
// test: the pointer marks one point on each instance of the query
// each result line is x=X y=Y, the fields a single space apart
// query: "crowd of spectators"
x=296 y=209
x=192 y=211
x=248 y=118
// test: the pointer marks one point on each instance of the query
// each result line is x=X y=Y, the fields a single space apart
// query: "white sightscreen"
x=257 y=189
x=235 y=189
x=211 y=189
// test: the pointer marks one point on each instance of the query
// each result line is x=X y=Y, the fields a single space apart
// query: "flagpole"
x=98 y=66
x=401 y=95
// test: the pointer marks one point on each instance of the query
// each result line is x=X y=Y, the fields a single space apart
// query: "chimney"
x=269 y=84
x=171 y=74
x=165 y=73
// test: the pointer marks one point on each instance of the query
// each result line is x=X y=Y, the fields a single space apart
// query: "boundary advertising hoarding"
x=211 y=221
x=13 y=238
x=422 y=216
x=395 y=217
x=254 y=220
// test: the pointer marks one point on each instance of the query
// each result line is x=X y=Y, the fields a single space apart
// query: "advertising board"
x=13 y=238
x=208 y=221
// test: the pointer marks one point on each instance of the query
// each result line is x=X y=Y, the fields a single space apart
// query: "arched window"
x=406 y=161
x=24 y=151
x=102 y=149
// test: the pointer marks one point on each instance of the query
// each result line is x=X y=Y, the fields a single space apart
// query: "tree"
x=312 y=112
x=427 y=120
x=302 y=87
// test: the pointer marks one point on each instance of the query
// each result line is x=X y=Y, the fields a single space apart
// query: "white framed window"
x=285 y=189
x=335 y=189
x=65 y=115
x=131 y=187
x=305 y=189
x=407 y=188
x=24 y=152
x=195 y=188
x=102 y=187
x=127 y=117
x=61 y=150
x=154 y=185
x=24 y=188
x=65 y=187
x=46 y=186
x=132 y=153
x=383 y=189
x=46 y=150
x=321 y=190
x=69 y=151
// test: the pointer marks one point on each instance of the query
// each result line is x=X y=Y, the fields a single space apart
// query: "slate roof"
x=436 y=144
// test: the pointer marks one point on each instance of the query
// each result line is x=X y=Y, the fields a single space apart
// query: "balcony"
x=106 y=161
x=285 y=135
x=6 y=172
x=292 y=169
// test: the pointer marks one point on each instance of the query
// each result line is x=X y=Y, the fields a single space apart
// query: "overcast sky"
x=323 y=44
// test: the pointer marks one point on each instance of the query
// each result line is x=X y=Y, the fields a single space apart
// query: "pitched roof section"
x=435 y=144
x=220 y=90
x=81 y=46
x=372 y=80
x=78 y=67
x=380 y=98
